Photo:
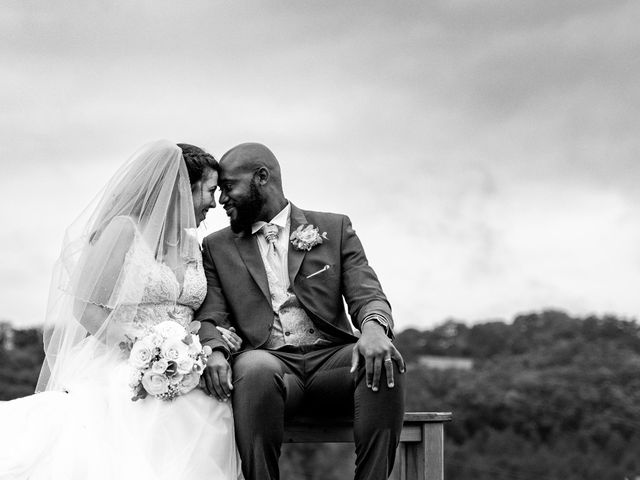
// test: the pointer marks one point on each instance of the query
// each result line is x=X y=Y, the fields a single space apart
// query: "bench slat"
x=339 y=434
x=340 y=430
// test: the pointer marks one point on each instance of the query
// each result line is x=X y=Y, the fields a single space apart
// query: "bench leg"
x=422 y=460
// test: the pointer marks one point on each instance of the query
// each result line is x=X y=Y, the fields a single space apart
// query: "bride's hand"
x=234 y=342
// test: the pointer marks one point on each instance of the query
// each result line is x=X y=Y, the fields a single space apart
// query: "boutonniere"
x=305 y=237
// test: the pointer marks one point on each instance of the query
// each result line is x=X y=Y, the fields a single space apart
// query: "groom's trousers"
x=270 y=385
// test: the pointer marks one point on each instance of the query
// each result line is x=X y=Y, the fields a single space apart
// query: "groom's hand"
x=217 y=376
x=378 y=353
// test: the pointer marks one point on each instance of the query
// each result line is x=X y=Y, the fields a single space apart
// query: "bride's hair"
x=197 y=160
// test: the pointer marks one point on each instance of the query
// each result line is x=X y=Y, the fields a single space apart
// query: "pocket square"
x=323 y=269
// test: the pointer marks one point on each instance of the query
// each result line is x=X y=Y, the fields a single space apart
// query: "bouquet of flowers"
x=166 y=361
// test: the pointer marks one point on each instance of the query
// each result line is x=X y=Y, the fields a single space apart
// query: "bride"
x=131 y=261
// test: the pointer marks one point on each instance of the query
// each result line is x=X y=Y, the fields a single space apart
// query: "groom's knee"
x=385 y=407
x=258 y=371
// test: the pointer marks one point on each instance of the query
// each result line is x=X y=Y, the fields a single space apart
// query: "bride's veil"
x=95 y=289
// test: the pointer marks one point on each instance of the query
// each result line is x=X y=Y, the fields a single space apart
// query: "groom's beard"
x=248 y=210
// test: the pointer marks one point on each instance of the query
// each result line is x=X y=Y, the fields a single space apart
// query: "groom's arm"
x=360 y=285
x=214 y=310
x=369 y=310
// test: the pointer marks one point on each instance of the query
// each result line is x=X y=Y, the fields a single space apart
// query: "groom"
x=279 y=275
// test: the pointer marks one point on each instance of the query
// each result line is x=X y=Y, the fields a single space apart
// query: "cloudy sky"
x=487 y=152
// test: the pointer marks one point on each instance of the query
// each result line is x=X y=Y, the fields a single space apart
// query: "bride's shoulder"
x=107 y=248
x=191 y=239
x=119 y=233
x=124 y=223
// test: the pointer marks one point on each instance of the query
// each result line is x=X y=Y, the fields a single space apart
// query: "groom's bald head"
x=250 y=185
x=251 y=157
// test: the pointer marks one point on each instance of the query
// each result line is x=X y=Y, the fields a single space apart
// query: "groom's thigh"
x=331 y=386
x=260 y=376
x=335 y=390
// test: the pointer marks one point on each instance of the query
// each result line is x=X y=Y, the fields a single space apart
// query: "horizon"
x=441 y=323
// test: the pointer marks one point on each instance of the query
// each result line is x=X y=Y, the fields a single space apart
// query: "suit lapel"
x=250 y=253
x=295 y=256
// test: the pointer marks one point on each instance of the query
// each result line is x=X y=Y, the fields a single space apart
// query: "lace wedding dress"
x=93 y=430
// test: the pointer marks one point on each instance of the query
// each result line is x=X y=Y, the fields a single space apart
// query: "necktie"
x=270 y=232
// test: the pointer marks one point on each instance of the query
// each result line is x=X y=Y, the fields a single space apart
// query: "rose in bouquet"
x=166 y=361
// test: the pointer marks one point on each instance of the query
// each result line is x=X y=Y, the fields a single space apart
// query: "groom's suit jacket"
x=238 y=291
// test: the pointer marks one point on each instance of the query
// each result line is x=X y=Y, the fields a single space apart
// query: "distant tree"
x=20 y=366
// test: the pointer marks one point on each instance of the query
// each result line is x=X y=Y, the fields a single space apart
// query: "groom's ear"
x=263 y=175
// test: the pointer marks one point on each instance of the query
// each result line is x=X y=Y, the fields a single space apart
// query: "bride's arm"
x=100 y=270
x=90 y=316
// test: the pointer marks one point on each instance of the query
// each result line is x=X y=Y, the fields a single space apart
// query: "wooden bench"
x=420 y=454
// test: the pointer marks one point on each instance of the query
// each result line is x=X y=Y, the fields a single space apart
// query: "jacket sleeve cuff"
x=209 y=335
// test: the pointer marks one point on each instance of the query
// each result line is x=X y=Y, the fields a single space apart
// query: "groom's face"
x=242 y=199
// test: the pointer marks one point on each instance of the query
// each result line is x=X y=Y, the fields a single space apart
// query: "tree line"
x=550 y=396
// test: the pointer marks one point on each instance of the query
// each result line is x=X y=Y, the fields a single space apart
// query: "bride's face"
x=203 y=194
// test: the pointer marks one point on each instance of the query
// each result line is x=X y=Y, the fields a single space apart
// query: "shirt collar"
x=280 y=219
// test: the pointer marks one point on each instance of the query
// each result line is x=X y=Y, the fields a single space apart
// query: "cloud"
x=485 y=152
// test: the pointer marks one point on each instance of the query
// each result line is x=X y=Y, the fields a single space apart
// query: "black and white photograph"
x=319 y=240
